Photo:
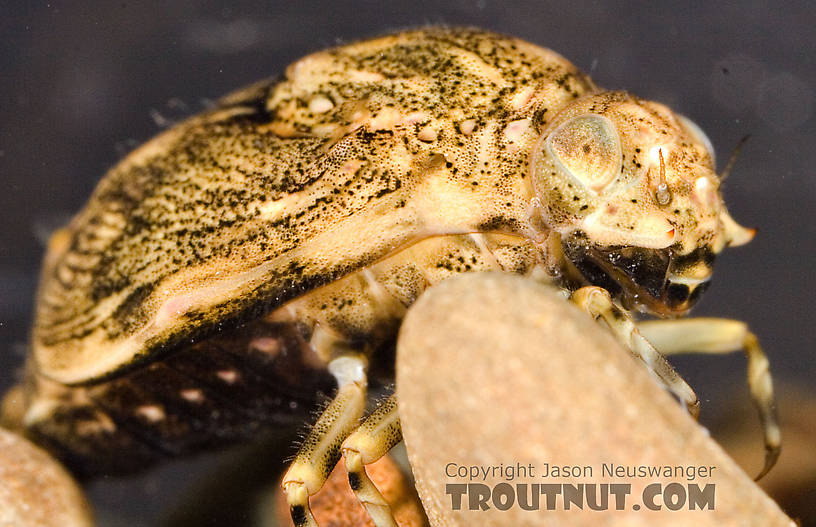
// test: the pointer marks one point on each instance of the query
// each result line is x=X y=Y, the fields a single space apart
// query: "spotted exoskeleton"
x=241 y=262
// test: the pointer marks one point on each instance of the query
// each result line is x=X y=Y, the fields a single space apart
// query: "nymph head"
x=631 y=188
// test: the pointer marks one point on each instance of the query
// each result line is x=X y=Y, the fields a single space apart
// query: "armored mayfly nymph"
x=264 y=251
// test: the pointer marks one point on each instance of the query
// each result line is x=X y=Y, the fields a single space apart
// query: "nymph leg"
x=320 y=452
x=372 y=440
x=597 y=302
x=716 y=336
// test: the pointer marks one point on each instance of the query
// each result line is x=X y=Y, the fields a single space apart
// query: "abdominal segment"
x=228 y=387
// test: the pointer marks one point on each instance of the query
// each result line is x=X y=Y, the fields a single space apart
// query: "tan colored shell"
x=288 y=185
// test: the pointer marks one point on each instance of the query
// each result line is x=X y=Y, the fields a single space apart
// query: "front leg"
x=716 y=336
x=597 y=302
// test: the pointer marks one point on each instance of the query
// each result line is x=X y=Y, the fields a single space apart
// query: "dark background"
x=82 y=83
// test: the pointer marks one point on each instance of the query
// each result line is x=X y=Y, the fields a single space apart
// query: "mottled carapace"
x=218 y=269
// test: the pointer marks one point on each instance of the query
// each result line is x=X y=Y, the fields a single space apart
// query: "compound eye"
x=588 y=149
x=698 y=135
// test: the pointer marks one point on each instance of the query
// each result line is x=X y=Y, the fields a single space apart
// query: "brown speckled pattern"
x=242 y=208
x=317 y=206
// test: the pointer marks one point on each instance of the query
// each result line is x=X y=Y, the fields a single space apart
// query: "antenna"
x=662 y=194
x=733 y=159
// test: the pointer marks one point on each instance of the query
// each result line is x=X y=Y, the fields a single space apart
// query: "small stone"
x=496 y=370
x=35 y=491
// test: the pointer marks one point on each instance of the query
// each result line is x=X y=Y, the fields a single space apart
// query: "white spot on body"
x=467 y=126
x=415 y=117
x=39 y=410
x=697 y=275
x=192 y=395
x=228 y=376
x=516 y=130
x=272 y=209
x=427 y=134
x=704 y=192
x=327 y=130
x=266 y=345
x=521 y=98
x=365 y=76
x=65 y=274
x=320 y=104
x=385 y=119
x=278 y=208
x=151 y=413
x=173 y=308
